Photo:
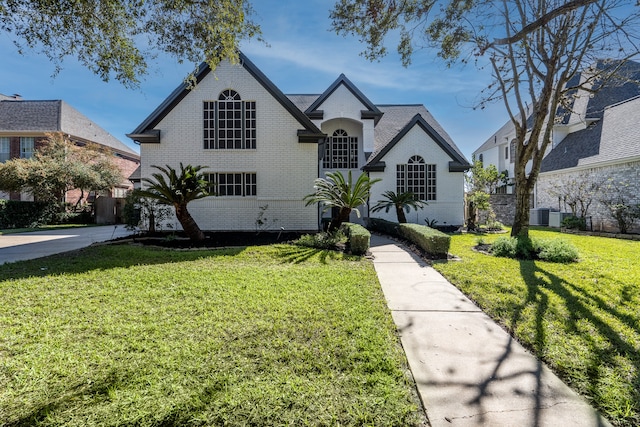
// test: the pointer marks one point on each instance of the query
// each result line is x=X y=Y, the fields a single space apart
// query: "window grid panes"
x=229 y=122
x=417 y=177
x=26 y=147
x=341 y=151
x=5 y=149
x=237 y=184
x=431 y=182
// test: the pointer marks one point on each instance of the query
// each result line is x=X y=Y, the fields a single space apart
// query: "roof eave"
x=306 y=137
x=151 y=136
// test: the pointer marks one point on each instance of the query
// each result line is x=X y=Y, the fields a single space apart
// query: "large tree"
x=118 y=38
x=57 y=166
x=539 y=53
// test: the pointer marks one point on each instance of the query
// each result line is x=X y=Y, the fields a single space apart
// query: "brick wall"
x=285 y=168
x=626 y=173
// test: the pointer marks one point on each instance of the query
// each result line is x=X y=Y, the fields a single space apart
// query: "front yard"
x=273 y=335
x=582 y=319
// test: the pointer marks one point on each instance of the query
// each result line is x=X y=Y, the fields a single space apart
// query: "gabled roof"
x=26 y=116
x=397 y=121
x=615 y=137
x=145 y=132
x=371 y=111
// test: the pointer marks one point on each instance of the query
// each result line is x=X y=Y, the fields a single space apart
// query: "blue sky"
x=303 y=56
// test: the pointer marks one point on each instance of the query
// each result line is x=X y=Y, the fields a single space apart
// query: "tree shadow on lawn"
x=300 y=254
x=98 y=389
x=106 y=257
x=604 y=343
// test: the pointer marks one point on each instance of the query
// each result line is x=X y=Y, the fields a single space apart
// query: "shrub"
x=384 y=226
x=358 y=238
x=505 y=247
x=554 y=250
x=432 y=241
x=18 y=214
x=574 y=222
x=321 y=240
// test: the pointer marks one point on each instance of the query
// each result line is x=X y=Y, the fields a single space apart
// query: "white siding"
x=448 y=209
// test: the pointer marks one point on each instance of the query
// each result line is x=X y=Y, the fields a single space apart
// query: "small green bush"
x=552 y=250
x=574 y=222
x=557 y=250
x=322 y=240
x=432 y=241
x=384 y=226
x=358 y=238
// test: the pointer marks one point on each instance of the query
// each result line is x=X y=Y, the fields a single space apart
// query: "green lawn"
x=582 y=319
x=124 y=335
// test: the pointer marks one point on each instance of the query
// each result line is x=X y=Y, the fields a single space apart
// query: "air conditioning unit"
x=539 y=216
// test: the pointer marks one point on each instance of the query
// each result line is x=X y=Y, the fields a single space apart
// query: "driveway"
x=23 y=246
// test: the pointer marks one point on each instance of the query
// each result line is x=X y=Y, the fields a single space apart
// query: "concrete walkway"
x=468 y=370
x=23 y=246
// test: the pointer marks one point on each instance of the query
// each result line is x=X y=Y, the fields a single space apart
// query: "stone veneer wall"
x=504 y=206
x=627 y=173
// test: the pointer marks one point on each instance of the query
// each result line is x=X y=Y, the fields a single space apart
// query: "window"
x=26 y=147
x=480 y=158
x=417 y=177
x=506 y=152
x=341 y=151
x=5 y=149
x=239 y=184
x=229 y=122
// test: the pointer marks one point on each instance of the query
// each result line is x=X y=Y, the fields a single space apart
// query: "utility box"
x=555 y=218
x=539 y=216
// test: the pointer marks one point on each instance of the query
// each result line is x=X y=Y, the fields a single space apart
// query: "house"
x=264 y=149
x=25 y=123
x=596 y=139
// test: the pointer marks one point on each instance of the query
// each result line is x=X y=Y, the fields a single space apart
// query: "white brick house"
x=264 y=148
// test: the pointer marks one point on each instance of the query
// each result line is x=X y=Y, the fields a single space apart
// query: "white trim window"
x=229 y=122
x=417 y=177
x=27 y=147
x=341 y=151
x=235 y=184
x=5 y=149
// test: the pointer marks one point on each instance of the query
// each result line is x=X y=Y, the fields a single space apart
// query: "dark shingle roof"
x=55 y=116
x=614 y=137
x=30 y=116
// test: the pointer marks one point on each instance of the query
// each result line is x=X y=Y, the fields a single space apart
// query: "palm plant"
x=336 y=192
x=178 y=190
x=401 y=202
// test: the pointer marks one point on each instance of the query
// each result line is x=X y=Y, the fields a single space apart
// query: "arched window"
x=417 y=177
x=341 y=151
x=229 y=122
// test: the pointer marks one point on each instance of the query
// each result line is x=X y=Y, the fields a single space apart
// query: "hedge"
x=432 y=241
x=383 y=226
x=20 y=214
x=358 y=238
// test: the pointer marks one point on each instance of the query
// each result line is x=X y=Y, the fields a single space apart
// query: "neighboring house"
x=264 y=149
x=598 y=140
x=25 y=123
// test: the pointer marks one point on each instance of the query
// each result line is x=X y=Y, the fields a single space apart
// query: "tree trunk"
x=336 y=222
x=471 y=216
x=189 y=225
x=520 y=226
x=402 y=219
